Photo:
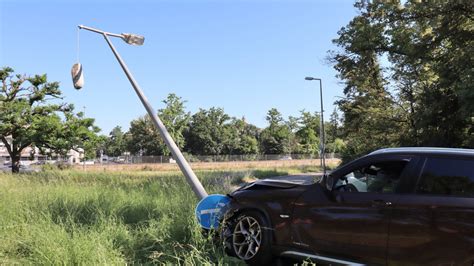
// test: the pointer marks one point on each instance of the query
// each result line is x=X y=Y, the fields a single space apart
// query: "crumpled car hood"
x=272 y=183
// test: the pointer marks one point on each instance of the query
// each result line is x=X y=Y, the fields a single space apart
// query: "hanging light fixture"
x=76 y=70
x=77 y=76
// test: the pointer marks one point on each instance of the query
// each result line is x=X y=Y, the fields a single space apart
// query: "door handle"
x=381 y=203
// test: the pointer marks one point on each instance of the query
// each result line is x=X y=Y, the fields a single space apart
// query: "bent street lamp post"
x=323 y=148
x=134 y=39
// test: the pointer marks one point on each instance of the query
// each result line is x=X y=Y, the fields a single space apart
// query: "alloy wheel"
x=247 y=238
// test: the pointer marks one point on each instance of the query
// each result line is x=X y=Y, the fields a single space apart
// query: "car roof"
x=425 y=150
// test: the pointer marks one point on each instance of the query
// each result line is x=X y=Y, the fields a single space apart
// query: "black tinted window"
x=447 y=177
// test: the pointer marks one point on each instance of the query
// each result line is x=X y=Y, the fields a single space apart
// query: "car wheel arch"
x=251 y=209
x=262 y=212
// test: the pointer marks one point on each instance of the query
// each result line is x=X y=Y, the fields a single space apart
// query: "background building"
x=31 y=155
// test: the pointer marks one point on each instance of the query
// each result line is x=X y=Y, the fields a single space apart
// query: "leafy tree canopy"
x=208 y=132
x=144 y=139
x=275 y=139
x=115 y=143
x=31 y=117
x=422 y=93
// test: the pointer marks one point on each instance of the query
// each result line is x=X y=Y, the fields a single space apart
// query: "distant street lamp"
x=83 y=150
x=321 y=134
x=134 y=39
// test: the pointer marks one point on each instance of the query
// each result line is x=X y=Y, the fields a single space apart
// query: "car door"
x=351 y=222
x=434 y=224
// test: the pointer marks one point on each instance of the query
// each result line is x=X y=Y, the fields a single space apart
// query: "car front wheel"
x=251 y=239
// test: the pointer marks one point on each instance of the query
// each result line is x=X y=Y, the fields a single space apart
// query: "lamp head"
x=77 y=76
x=133 y=39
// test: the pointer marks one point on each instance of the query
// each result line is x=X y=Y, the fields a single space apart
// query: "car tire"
x=250 y=239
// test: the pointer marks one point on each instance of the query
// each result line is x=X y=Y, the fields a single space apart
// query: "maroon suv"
x=400 y=206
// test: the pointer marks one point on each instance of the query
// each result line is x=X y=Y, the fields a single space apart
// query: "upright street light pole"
x=322 y=133
x=83 y=150
x=177 y=155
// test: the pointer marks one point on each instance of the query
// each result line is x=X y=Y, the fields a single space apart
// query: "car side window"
x=380 y=177
x=445 y=176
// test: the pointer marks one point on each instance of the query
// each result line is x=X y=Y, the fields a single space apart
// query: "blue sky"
x=244 y=56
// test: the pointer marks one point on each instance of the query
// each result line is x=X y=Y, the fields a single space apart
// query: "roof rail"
x=422 y=150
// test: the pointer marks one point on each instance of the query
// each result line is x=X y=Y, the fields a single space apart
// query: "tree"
x=293 y=126
x=144 y=139
x=208 y=132
x=336 y=146
x=334 y=141
x=76 y=132
x=333 y=127
x=275 y=138
x=115 y=144
x=432 y=63
x=242 y=137
x=308 y=134
x=175 y=119
x=30 y=117
x=422 y=95
x=94 y=148
x=368 y=108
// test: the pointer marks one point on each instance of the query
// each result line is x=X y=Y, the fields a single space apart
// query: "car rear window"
x=444 y=176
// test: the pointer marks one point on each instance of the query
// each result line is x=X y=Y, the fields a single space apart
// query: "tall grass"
x=73 y=217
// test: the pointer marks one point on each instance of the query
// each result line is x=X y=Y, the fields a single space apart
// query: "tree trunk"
x=15 y=163
x=14 y=152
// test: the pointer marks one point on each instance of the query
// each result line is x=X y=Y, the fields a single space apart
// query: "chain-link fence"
x=214 y=158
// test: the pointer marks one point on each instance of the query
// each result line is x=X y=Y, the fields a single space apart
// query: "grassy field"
x=97 y=217
x=270 y=164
